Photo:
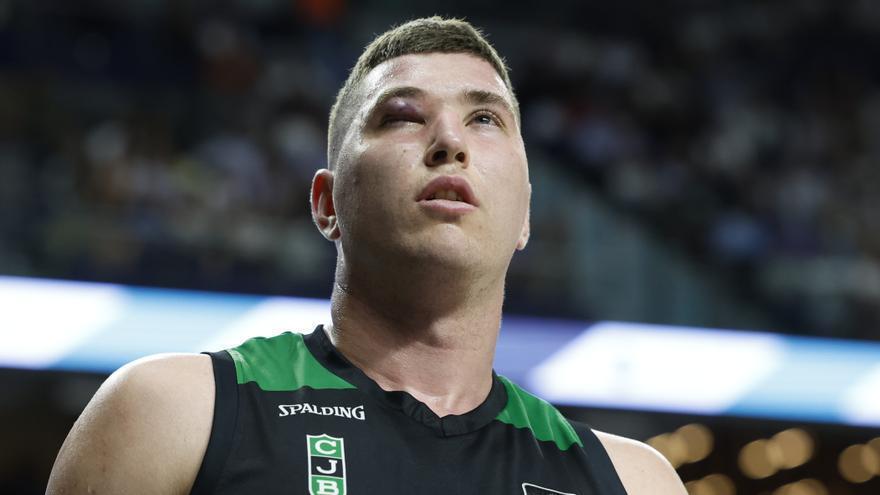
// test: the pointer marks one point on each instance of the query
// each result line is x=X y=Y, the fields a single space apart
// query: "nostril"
x=439 y=155
x=460 y=156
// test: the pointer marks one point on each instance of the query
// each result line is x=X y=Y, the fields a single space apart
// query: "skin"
x=418 y=293
x=145 y=430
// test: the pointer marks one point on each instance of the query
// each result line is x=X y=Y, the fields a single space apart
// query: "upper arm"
x=145 y=430
x=643 y=470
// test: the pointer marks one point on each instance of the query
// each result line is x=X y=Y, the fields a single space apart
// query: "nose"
x=449 y=144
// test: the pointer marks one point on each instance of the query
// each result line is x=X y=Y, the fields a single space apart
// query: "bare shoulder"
x=642 y=469
x=145 y=430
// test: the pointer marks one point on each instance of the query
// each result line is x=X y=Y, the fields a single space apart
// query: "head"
x=428 y=35
x=428 y=100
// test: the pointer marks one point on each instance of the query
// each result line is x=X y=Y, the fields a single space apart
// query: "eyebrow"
x=479 y=97
x=471 y=96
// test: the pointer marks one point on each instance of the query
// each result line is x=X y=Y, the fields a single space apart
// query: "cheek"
x=375 y=186
x=510 y=177
x=377 y=177
x=511 y=182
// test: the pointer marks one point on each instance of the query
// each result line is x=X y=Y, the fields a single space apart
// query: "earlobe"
x=527 y=228
x=323 y=209
x=524 y=236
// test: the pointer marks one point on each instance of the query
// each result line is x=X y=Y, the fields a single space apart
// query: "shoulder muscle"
x=145 y=430
x=643 y=470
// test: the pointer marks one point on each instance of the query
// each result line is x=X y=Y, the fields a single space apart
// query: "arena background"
x=706 y=177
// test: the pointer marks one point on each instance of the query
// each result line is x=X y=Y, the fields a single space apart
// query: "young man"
x=426 y=200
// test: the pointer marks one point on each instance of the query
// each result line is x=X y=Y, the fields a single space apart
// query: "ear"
x=526 y=228
x=323 y=210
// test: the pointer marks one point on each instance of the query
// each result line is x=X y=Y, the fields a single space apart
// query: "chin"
x=446 y=255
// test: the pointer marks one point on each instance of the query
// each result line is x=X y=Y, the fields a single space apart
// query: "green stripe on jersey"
x=524 y=410
x=282 y=363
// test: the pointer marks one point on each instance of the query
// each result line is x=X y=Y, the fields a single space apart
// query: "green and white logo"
x=326 y=465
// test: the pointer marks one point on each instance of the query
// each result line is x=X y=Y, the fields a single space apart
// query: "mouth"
x=450 y=188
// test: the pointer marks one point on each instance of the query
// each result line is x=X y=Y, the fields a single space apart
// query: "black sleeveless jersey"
x=293 y=416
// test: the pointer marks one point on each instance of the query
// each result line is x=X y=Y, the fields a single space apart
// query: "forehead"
x=438 y=74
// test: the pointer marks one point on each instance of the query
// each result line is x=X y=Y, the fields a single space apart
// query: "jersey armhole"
x=223 y=426
x=603 y=471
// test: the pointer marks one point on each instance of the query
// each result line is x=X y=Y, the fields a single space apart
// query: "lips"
x=448 y=188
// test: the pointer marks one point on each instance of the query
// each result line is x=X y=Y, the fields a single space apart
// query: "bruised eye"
x=397 y=119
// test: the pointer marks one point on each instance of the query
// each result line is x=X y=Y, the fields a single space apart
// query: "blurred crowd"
x=168 y=144
x=747 y=134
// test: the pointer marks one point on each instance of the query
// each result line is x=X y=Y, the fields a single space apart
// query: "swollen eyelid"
x=399 y=117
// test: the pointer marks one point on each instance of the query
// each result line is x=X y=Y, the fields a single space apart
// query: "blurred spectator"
x=160 y=144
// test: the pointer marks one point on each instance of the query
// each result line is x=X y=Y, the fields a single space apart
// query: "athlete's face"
x=432 y=167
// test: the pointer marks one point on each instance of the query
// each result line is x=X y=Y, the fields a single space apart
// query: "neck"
x=428 y=335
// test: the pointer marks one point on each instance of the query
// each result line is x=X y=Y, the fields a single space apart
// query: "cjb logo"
x=326 y=465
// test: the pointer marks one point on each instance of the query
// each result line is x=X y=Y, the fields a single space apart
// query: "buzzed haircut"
x=427 y=35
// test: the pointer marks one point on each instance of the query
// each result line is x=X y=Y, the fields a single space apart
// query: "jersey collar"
x=323 y=350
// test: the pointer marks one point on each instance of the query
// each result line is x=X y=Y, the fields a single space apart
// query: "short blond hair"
x=427 y=35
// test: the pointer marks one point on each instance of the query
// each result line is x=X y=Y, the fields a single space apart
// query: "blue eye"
x=485 y=117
